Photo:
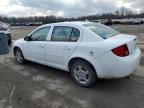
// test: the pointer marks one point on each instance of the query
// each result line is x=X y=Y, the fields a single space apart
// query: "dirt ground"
x=37 y=86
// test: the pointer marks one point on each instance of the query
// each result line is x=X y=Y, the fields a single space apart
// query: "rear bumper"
x=112 y=66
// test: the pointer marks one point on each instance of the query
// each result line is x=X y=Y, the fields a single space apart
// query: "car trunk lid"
x=129 y=40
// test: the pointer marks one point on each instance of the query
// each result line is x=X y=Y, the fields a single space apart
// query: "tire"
x=19 y=56
x=9 y=42
x=83 y=73
x=9 y=39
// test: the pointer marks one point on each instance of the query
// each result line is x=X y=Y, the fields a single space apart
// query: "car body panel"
x=90 y=47
x=63 y=50
x=35 y=51
x=117 y=67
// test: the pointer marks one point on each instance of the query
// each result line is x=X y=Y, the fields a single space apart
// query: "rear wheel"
x=19 y=56
x=83 y=73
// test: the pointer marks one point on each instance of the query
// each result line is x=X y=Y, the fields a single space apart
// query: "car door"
x=35 y=48
x=64 y=41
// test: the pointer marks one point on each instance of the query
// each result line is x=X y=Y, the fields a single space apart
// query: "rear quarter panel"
x=94 y=50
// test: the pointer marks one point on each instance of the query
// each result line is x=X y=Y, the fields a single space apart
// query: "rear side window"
x=65 y=34
x=74 y=35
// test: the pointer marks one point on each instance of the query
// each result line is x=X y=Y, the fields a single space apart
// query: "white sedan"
x=85 y=49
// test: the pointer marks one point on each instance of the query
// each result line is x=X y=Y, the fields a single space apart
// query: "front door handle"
x=41 y=46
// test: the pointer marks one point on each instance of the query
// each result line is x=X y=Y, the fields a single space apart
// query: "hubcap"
x=81 y=74
x=19 y=56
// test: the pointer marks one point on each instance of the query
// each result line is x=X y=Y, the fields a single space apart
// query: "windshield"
x=102 y=30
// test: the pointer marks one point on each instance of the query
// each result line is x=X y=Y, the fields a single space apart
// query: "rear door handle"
x=66 y=48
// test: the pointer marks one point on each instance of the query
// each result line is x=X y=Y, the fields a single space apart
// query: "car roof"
x=77 y=23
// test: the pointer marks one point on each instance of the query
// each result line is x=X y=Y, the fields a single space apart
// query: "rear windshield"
x=102 y=30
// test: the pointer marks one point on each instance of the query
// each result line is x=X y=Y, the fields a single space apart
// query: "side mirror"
x=27 y=38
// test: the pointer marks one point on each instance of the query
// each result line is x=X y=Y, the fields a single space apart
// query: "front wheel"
x=83 y=73
x=19 y=56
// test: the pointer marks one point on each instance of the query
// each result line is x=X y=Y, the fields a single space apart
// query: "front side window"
x=102 y=30
x=65 y=34
x=40 y=34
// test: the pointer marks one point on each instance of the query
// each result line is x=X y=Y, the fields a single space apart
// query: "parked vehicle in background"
x=32 y=23
x=133 y=21
x=123 y=21
x=107 y=21
x=96 y=21
x=141 y=20
x=4 y=48
x=87 y=50
x=116 y=21
x=103 y=21
x=4 y=29
x=27 y=24
x=130 y=21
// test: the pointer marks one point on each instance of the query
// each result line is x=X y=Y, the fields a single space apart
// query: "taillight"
x=121 y=51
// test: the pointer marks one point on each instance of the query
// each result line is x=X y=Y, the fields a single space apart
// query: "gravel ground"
x=37 y=86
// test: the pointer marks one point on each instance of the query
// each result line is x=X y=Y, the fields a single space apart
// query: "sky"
x=65 y=8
